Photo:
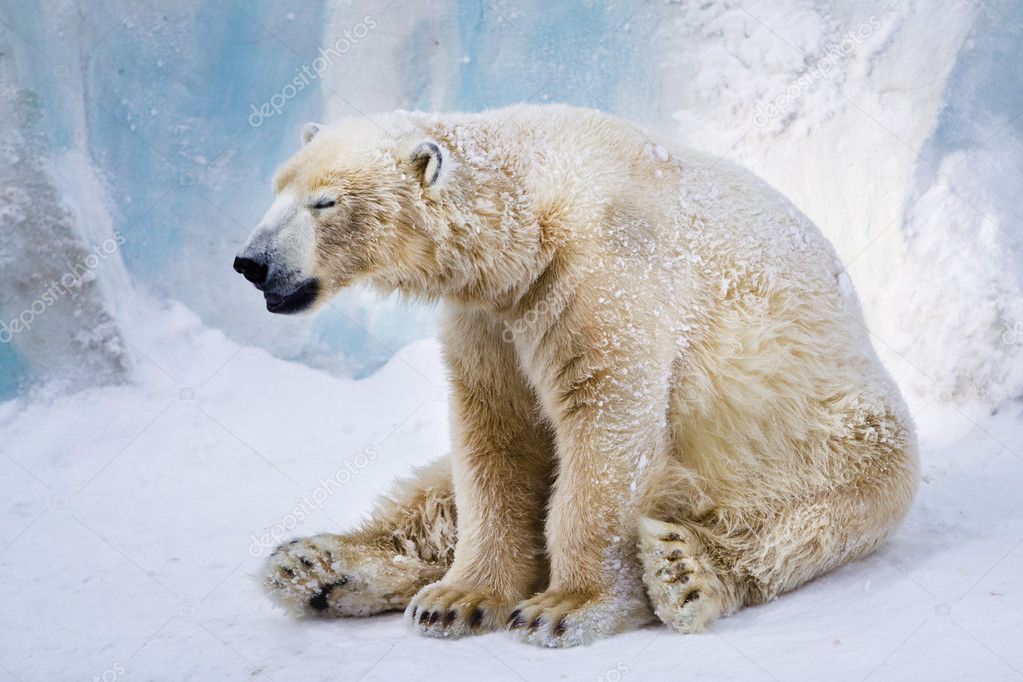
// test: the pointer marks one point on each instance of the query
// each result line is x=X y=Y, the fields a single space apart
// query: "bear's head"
x=353 y=204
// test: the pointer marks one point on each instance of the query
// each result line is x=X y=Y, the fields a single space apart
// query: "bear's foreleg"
x=609 y=405
x=501 y=469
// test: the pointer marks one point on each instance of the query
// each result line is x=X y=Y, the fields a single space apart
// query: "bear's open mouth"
x=298 y=300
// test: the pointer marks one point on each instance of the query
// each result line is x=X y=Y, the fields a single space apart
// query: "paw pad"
x=319 y=602
x=683 y=584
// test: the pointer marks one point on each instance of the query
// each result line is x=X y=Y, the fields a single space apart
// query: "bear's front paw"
x=442 y=610
x=562 y=619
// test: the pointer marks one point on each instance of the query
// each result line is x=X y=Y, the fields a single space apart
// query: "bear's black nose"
x=251 y=270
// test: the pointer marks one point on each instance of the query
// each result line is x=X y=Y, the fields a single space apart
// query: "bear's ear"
x=428 y=160
x=309 y=131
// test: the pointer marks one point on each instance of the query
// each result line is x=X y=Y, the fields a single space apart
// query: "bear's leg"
x=697 y=572
x=408 y=542
x=501 y=469
x=608 y=403
x=826 y=529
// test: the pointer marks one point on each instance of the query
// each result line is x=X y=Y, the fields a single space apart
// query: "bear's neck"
x=497 y=232
x=492 y=258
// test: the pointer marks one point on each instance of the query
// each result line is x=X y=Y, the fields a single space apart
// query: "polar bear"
x=664 y=397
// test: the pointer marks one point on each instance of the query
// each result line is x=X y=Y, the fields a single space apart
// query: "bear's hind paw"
x=325 y=575
x=683 y=585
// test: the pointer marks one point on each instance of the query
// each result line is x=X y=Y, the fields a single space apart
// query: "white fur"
x=660 y=334
x=286 y=236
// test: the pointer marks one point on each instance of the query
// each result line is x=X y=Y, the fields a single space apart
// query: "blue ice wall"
x=12 y=370
x=983 y=117
x=574 y=52
x=985 y=88
x=163 y=97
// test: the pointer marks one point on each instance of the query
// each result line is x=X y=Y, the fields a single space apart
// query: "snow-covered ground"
x=135 y=517
x=160 y=430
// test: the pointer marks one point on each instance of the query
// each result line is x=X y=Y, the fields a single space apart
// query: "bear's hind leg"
x=696 y=572
x=407 y=543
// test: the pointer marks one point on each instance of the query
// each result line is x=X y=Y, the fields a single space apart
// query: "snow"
x=134 y=522
x=159 y=438
x=903 y=151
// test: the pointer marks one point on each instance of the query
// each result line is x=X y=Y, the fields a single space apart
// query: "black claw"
x=672 y=537
x=288 y=571
x=691 y=597
x=537 y=622
x=434 y=617
x=415 y=611
x=423 y=617
x=515 y=620
x=305 y=562
x=449 y=618
x=477 y=617
x=559 y=629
